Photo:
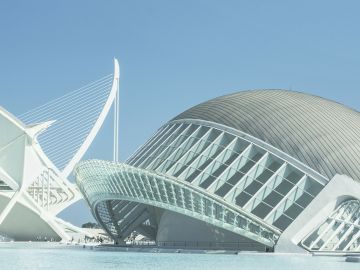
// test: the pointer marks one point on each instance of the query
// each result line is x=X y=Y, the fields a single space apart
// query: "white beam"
x=9 y=206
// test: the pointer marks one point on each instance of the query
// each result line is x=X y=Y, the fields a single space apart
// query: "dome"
x=323 y=134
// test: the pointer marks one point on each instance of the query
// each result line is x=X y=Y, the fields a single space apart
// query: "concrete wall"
x=186 y=232
x=22 y=224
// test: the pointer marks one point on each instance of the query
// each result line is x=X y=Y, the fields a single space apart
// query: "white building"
x=255 y=170
x=38 y=151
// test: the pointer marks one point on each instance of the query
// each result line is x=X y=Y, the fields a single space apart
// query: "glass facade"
x=226 y=165
x=143 y=187
x=340 y=232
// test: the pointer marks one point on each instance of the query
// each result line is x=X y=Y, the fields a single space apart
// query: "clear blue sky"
x=173 y=55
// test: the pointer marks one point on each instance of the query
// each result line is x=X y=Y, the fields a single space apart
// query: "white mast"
x=116 y=111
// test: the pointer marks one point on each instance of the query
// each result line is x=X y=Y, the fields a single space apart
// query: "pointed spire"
x=36 y=129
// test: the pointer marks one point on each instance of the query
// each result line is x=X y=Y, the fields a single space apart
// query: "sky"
x=174 y=55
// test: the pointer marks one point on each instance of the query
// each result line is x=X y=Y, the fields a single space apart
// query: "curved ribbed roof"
x=323 y=134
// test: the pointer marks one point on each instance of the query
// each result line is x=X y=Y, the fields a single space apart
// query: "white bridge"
x=38 y=151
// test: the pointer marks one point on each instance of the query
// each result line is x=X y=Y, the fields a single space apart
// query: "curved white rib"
x=95 y=129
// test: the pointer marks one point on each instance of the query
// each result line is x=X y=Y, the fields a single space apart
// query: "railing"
x=246 y=245
x=234 y=245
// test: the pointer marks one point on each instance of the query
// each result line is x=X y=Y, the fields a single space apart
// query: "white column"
x=116 y=123
x=48 y=189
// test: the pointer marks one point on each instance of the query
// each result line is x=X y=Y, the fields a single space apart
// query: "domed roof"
x=322 y=134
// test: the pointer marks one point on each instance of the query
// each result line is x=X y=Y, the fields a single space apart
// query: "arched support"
x=103 y=181
x=95 y=129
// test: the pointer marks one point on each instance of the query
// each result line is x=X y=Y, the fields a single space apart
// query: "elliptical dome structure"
x=265 y=170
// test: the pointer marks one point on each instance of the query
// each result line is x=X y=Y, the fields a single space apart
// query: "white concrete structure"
x=255 y=170
x=38 y=152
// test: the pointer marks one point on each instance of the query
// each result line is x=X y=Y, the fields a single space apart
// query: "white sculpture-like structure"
x=264 y=170
x=36 y=159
